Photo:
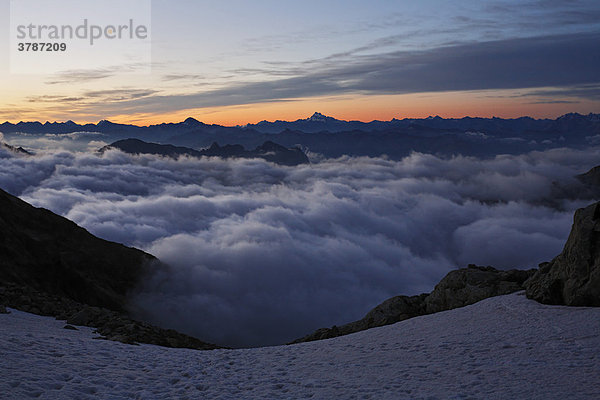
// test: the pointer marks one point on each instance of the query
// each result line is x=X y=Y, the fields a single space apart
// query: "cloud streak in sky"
x=261 y=254
x=564 y=61
x=347 y=51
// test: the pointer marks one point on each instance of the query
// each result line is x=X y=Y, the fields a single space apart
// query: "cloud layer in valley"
x=261 y=254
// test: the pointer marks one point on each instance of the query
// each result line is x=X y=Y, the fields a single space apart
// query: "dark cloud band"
x=565 y=61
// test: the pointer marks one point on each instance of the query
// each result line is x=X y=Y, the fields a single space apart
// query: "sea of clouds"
x=262 y=254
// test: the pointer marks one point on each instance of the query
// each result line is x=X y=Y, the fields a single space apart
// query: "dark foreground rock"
x=109 y=324
x=457 y=289
x=49 y=253
x=573 y=277
x=50 y=266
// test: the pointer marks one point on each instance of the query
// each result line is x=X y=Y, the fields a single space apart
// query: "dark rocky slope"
x=458 y=289
x=109 y=324
x=51 y=266
x=51 y=254
x=573 y=277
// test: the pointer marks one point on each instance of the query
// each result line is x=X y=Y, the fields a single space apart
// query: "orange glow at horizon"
x=364 y=108
x=368 y=108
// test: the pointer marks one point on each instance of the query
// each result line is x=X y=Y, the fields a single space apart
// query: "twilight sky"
x=234 y=61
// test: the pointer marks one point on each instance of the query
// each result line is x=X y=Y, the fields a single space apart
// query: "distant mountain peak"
x=318 y=117
x=570 y=116
x=192 y=121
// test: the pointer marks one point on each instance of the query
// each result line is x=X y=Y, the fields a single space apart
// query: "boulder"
x=390 y=311
x=70 y=327
x=573 y=277
x=472 y=284
x=393 y=310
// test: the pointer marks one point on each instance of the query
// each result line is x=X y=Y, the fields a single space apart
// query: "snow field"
x=506 y=347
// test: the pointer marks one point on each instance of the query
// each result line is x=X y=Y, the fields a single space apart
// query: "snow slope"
x=506 y=347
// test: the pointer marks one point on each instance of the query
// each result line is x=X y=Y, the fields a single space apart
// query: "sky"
x=235 y=62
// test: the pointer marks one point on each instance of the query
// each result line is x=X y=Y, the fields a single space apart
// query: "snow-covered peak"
x=570 y=116
x=318 y=117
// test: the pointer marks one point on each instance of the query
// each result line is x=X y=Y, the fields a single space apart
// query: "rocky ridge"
x=268 y=151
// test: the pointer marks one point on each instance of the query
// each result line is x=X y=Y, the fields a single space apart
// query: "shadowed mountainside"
x=51 y=266
x=50 y=253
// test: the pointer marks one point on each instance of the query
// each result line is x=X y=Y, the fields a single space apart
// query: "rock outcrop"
x=573 y=277
x=389 y=312
x=466 y=286
x=458 y=288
